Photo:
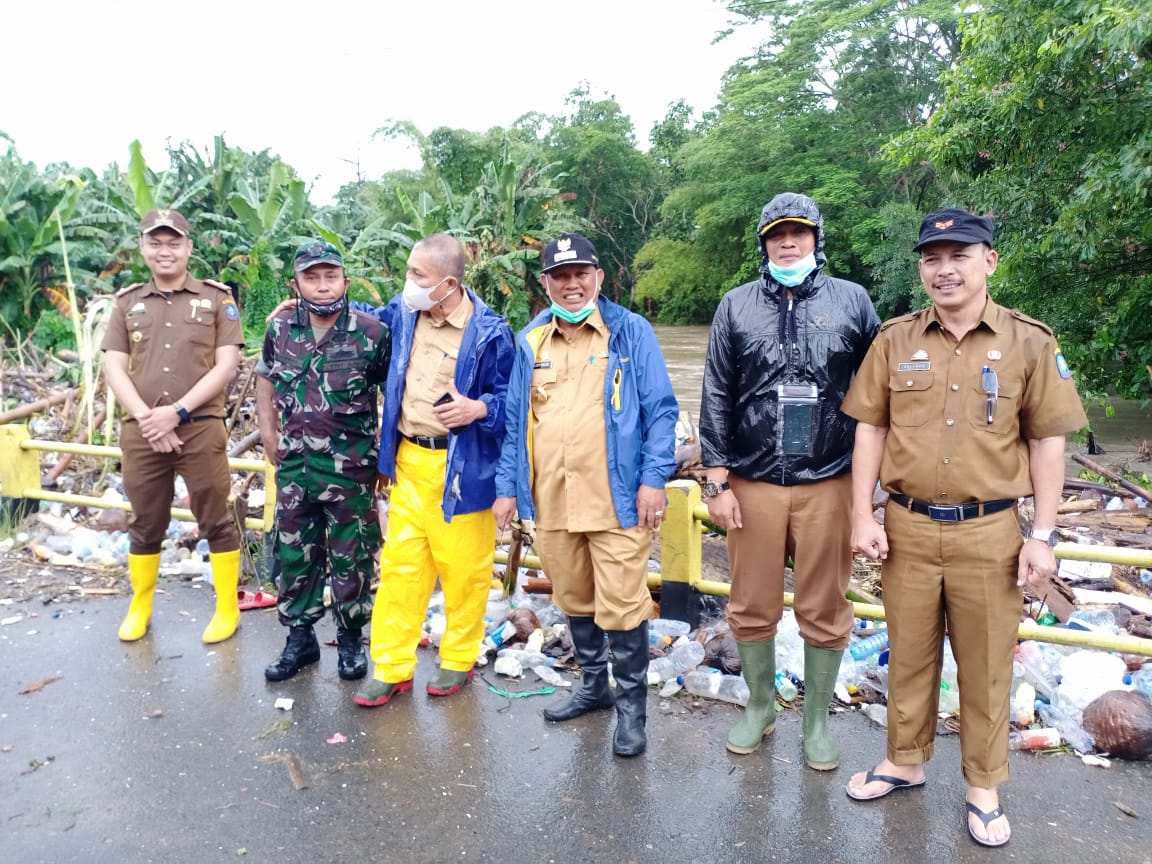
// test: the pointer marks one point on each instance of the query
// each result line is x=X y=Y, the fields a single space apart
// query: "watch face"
x=711 y=490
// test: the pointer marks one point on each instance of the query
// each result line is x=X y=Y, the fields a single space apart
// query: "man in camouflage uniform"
x=316 y=396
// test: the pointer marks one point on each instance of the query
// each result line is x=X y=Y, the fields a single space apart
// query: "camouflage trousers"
x=323 y=538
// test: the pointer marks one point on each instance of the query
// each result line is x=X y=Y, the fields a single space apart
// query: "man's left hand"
x=158 y=422
x=1037 y=563
x=650 y=504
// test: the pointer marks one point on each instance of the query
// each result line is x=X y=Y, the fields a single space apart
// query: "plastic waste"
x=550 y=676
x=1070 y=730
x=1142 y=681
x=1033 y=739
x=527 y=658
x=1121 y=724
x=535 y=640
x=949 y=687
x=509 y=666
x=714 y=684
x=1098 y=620
x=1085 y=675
x=1037 y=669
x=869 y=645
x=202 y=549
x=659 y=628
x=876 y=712
x=1024 y=704
x=789 y=646
x=435 y=626
x=681 y=659
x=785 y=688
x=498 y=637
x=671 y=687
x=1114 y=503
x=1146 y=577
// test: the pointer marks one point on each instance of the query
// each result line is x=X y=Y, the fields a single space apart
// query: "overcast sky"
x=313 y=81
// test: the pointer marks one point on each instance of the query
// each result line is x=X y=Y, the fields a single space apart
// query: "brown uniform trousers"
x=926 y=389
x=806 y=521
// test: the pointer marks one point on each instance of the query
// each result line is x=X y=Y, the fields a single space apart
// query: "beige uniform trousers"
x=600 y=574
x=959 y=578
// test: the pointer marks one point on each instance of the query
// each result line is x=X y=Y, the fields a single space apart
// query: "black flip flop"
x=894 y=783
x=984 y=816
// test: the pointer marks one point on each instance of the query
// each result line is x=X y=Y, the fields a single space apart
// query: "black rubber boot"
x=300 y=650
x=594 y=694
x=630 y=668
x=351 y=661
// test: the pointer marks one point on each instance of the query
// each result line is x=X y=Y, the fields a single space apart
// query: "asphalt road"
x=171 y=751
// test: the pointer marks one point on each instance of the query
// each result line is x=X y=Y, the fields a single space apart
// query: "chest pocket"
x=346 y=385
x=141 y=329
x=200 y=323
x=911 y=397
x=544 y=390
x=1005 y=416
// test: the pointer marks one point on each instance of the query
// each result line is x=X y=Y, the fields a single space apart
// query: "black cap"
x=958 y=226
x=569 y=249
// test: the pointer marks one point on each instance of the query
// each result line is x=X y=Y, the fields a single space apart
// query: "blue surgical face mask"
x=573 y=317
x=795 y=274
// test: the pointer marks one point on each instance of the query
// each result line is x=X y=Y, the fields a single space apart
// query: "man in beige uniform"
x=171 y=349
x=590 y=445
x=962 y=408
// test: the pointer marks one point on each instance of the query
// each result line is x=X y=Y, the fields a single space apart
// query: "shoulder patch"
x=131 y=287
x=1020 y=316
x=902 y=319
x=216 y=284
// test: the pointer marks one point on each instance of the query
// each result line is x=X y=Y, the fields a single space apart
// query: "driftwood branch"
x=1092 y=465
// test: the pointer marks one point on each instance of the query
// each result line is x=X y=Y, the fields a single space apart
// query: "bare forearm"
x=268 y=418
x=867 y=455
x=1046 y=467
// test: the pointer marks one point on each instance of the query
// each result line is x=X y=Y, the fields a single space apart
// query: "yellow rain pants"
x=418 y=546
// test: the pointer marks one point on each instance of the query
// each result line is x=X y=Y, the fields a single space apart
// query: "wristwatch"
x=182 y=413
x=1047 y=535
x=711 y=490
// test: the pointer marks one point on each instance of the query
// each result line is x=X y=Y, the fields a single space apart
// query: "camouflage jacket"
x=326 y=394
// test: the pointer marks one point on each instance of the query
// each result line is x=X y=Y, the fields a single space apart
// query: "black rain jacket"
x=761 y=339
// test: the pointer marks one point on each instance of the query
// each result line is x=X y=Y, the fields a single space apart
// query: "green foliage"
x=676 y=281
x=1049 y=119
x=53 y=331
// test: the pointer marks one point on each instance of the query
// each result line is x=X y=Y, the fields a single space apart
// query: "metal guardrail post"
x=680 y=553
x=19 y=468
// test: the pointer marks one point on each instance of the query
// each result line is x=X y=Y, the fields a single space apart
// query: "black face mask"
x=326 y=310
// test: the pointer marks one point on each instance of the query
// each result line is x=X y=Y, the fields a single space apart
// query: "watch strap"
x=182 y=413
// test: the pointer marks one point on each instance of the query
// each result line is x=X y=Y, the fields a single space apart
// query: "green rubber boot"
x=820 y=670
x=759 y=665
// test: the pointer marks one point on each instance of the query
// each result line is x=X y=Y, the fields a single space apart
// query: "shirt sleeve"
x=868 y=397
x=116 y=334
x=228 y=329
x=1050 y=405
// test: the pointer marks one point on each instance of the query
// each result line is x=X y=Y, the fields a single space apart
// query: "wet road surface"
x=171 y=751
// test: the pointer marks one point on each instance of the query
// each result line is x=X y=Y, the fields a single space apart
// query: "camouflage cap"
x=317 y=252
x=173 y=220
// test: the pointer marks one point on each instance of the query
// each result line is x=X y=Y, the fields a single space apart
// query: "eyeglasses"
x=991 y=387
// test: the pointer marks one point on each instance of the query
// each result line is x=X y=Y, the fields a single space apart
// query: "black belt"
x=428 y=442
x=951 y=512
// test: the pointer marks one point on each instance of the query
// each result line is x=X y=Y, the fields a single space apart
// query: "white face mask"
x=420 y=299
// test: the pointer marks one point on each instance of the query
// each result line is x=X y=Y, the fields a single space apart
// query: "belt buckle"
x=945 y=513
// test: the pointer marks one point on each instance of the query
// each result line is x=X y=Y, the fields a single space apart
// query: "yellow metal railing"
x=680 y=544
x=20 y=475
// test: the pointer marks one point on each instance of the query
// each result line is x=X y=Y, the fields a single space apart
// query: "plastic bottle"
x=498 y=637
x=869 y=645
x=666 y=627
x=713 y=684
x=550 y=676
x=1142 y=681
x=949 y=687
x=1066 y=725
x=527 y=658
x=679 y=660
x=1024 y=704
x=785 y=688
x=202 y=549
x=1033 y=739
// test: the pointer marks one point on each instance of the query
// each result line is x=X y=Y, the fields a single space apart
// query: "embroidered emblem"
x=230 y=311
x=563 y=244
x=920 y=355
x=1062 y=366
x=942 y=225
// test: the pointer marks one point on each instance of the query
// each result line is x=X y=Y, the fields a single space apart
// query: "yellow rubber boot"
x=142 y=573
x=226 y=577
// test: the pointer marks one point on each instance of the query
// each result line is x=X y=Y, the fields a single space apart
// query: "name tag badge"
x=922 y=366
x=542 y=364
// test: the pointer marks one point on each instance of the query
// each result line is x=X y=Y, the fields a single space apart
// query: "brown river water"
x=1120 y=435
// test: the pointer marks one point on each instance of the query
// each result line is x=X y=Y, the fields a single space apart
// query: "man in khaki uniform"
x=590 y=445
x=170 y=351
x=962 y=408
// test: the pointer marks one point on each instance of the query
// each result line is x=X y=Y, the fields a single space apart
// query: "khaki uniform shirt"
x=925 y=387
x=431 y=369
x=171 y=339
x=570 y=438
